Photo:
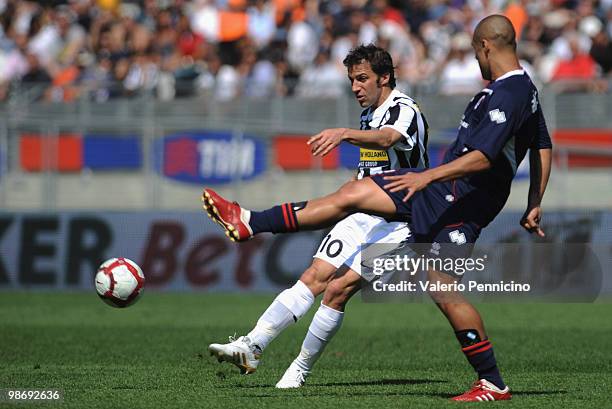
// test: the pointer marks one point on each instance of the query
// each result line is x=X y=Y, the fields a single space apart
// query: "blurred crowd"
x=65 y=50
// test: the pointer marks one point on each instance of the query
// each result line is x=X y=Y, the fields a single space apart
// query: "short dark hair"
x=380 y=60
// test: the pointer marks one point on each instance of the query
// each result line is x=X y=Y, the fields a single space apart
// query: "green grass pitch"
x=153 y=355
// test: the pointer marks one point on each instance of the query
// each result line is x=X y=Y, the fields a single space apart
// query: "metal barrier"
x=151 y=121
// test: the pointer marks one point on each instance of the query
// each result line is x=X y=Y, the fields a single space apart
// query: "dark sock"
x=480 y=355
x=277 y=219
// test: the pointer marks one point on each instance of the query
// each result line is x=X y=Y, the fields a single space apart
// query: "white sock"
x=325 y=323
x=287 y=307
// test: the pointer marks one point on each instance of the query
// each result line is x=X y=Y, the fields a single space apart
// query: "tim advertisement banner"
x=211 y=157
x=186 y=251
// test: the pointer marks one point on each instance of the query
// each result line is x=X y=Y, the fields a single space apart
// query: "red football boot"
x=233 y=218
x=484 y=391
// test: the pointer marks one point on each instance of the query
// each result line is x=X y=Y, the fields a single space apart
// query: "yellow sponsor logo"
x=372 y=154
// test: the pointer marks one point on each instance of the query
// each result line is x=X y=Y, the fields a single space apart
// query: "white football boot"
x=294 y=377
x=239 y=352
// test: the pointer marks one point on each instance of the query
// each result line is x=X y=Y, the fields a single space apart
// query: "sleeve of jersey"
x=403 y=119
x=542 y=140
x=496 y=127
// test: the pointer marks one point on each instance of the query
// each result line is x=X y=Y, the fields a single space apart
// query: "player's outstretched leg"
x=325 y=323
x=477 y=348
x=242 y=224
x=289 y=306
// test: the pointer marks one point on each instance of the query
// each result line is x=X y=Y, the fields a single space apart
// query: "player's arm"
x=322 y=143
x=472 y=162
x=540 y=161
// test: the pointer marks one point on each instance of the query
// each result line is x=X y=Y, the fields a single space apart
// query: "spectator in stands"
x=143 y=74
x=81 y=43
x=578 y=71
x=323 y=79
x=533 y=39
x=262 y=22
x=13 y=62
x=393 y=34
x=72 y=35
x=260 y=81
x=205 y=82
x=302 y=45
x=97 y=78
x=601 y=46
x=461 y=74
x=228 y=83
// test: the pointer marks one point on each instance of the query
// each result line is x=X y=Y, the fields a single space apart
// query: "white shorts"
x=343 y=243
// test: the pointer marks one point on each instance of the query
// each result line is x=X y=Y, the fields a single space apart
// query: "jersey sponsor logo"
x=534 y=102
x=373 y=154
x=373 y=158
x=457 y=237
x=497 y=116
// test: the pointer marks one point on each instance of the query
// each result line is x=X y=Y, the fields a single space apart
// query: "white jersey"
x=343 y=244
x=401 y=113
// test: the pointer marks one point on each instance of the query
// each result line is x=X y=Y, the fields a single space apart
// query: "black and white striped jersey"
x=401 y=113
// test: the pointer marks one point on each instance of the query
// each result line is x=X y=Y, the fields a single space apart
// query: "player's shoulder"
x=512 y=83
x=398 y=97
x=513 y=88
x=402 y=101
x=395 y=103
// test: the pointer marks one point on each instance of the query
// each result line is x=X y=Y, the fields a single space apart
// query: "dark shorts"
x=441 y=225
x=452 y=241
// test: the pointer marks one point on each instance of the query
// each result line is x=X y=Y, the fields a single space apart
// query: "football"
x=119 y=282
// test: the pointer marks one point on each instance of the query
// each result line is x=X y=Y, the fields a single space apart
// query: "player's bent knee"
x=352 y=193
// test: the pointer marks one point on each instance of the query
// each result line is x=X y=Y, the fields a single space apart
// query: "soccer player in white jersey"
x=392 y=135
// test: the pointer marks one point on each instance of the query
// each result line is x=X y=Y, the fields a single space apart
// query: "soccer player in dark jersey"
x=392 y=134
x=500 y=125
